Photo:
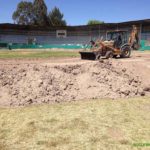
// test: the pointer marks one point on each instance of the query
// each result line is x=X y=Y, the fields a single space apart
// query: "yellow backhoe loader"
x=116 y=44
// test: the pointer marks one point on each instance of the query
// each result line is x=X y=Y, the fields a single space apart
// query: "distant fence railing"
x=40 y=46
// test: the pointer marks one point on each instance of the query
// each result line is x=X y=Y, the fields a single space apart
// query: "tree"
x=24 y=13
x=35 y=13
x=92 y=22
x=40 y=12
x=56 y=17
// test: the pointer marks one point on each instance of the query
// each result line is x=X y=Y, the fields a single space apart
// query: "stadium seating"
x=72 y=38
x=47 y=39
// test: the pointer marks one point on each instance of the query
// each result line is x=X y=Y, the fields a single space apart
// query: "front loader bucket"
x=88 y=55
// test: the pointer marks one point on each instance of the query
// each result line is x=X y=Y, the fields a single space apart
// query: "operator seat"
x=118 y=42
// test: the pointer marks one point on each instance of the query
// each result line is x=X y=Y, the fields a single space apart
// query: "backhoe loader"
x=116 y=44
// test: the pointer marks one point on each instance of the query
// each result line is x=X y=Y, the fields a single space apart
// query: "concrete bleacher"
x=45 y=39
x=145 y=36
x=13 y=33
x=67 y=40
x=14 y=38
x=82 y=37
x=20 y=39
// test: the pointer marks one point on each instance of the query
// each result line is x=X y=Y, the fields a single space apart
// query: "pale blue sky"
x=78 y=12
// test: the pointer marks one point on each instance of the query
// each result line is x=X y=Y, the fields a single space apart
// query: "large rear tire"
x=125 y=51
x=109 y=54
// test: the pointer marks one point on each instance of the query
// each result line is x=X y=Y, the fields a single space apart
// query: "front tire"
x=115 y=56
x=98 y=57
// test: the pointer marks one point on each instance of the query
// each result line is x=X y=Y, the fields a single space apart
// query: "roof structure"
x=8 y=26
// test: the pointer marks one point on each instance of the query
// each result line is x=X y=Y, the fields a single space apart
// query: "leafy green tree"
x=40 y=12
x=35 y=13
x=92 y=22
x=24 y=13
x=56 y=17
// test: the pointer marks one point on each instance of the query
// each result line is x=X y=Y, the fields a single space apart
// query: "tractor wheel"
x=98 y=57
x=125 y=51
x=109 y=54
x=115 y=56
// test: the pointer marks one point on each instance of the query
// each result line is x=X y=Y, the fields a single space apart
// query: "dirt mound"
x=38 y=83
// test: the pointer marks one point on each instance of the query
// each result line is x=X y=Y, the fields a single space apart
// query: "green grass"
x=36 y=54
x=84 y=125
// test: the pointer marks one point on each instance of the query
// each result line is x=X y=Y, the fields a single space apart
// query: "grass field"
x=4 y=54
x=8 y=54
x=84 y=125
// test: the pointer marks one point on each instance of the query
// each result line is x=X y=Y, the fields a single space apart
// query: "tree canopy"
x=40 y=12
x=28 y=13
x=56 y=17
x=92 y=22
x=24 y=13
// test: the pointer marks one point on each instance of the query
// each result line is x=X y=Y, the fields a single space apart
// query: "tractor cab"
x=118 y=37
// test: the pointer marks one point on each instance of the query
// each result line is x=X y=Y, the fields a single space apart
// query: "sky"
x=78 y=12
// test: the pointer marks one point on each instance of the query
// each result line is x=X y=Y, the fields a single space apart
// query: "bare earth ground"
x=34 y=81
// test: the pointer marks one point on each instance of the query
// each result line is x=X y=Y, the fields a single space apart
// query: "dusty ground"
x=35 y=81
